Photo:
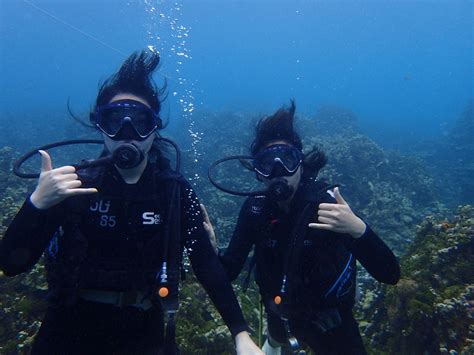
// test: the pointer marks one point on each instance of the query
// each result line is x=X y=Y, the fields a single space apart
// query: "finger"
x=320 y=226
x=68 y=177
x=326 y=220
x=340 y=200
x=209 y=230
x=327 y=206
x=67 y=169
x=46 y=164
x=77 y=192
x=326 y=213
x=204 y=212
x=74 y=184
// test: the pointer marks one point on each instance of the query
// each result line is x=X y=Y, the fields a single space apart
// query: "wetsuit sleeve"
x=234 y=257
x=376 y=257
x=27 y=237
x=206 y=265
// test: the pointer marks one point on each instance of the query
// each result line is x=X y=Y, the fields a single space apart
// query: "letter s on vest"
x=151 y=218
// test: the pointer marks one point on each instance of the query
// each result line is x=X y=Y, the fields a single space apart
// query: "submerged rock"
x=431 y=309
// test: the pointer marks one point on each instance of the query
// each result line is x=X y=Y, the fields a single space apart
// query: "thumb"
x=340 y=200
x=46 y=164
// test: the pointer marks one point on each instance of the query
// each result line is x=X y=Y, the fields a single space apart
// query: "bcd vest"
x=117 y=241
x=311 y=270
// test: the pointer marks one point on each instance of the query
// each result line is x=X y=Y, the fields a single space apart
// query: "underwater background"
x=384 y=87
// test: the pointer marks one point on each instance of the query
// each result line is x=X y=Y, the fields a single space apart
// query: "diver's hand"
x=55 y=185
x=245 y=345
x=209 y=228
x=338 y=217
x=268 y=349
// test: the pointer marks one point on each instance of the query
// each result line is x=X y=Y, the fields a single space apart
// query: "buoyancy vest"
x=310 y=270
x=116 y=240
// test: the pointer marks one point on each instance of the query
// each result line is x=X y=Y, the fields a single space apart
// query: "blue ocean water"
x=404 y=67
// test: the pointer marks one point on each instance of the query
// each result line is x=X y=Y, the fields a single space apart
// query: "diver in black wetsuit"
x=114 y=235
x=307 y=241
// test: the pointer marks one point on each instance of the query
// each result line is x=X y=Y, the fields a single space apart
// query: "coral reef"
x=22 y=305
x=431 y=310
x=12 y=189
x=21 y=298
x=449 y=158
x=200 y=329
x=389 y=191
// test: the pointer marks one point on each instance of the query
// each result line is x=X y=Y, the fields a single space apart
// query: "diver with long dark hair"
x=306 y=243
x=113 y=234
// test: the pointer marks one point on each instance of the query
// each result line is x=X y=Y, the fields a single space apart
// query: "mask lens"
x=143 y=121
x=110 y=121
x=285 y=156
x=265 y=163
x=111 y=118
x=290 y=158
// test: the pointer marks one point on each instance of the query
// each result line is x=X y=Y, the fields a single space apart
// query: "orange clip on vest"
x=163 y=292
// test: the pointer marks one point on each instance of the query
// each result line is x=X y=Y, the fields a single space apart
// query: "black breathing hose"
x=225 y=189
x=84 y=164
x=17 y=165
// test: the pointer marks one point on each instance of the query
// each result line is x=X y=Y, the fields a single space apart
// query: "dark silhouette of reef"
x=450 y=158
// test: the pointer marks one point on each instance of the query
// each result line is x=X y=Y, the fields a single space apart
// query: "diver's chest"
x=283 y=239
x=118 y=217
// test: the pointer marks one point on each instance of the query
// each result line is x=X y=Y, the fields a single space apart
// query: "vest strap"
x=119 y=299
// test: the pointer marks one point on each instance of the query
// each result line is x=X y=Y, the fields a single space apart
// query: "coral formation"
x=431 y=310
x=449 y=158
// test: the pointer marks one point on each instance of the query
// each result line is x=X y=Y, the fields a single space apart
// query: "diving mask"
x=113 y=117
x=277 y=160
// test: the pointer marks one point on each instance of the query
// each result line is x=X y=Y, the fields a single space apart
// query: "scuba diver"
x=113 y=233
x=306 y=243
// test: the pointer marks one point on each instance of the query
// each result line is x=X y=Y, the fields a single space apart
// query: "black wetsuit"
x=321 y=272
x=120 y=229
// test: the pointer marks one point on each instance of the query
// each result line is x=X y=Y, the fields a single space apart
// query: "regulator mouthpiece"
x=127 y=156
x=279 y=190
